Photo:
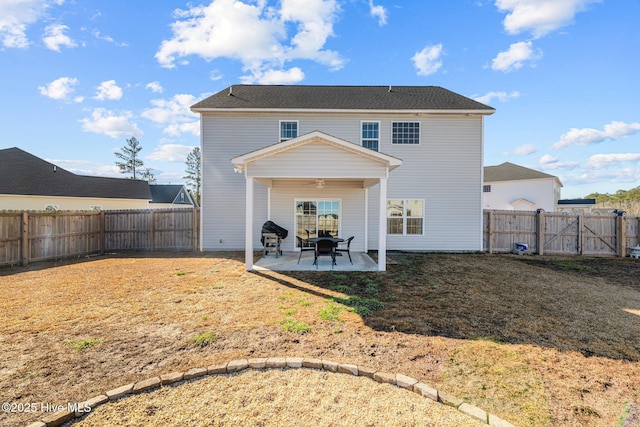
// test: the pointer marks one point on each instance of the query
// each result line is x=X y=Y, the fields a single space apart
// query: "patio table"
x=334 y=239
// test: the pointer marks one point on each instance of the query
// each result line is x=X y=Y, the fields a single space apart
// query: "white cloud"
x=17 y=15
x=215 y=75
x=618 y=175
x=550 y=163
x=154 y=87
x=108 y=90
x=105 y=122
x=109 y=39
x=60 y=89
x=539 y=17
x=55 y=38
x=515 y=57
x=500 y=96
x=171 y=153
x=588 y=136
x=427 y=61
x=254 y=33
x=599 y=161
x=522 y=150
x=547 y=159
x=274 y=77
x=379 y=12
x=175 y=114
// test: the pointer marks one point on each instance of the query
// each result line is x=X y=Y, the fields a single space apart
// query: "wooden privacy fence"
x=37 y=236
x=561 y=233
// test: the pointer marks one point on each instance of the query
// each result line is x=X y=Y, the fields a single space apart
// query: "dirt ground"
x=535 y=340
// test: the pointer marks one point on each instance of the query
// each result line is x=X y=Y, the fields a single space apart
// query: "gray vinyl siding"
x=307 y=158
x=445 y=170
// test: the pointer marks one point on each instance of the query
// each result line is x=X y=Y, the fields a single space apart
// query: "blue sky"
x=80 y=77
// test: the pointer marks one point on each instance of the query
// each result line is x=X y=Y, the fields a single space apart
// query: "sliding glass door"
x=317 y=218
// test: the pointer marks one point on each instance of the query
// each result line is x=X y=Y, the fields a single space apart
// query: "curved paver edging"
x=58 y=418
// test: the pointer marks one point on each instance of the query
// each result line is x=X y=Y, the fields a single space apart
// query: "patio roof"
x=240 y=162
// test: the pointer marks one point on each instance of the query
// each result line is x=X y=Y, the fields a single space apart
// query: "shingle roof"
x=24 y=173
x=167 y=193
x=511 y=172
x=340 y=98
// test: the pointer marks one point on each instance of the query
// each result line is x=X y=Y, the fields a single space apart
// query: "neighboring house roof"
x=357 y=98
x=169 y=193
x=577 y=202
x=22 y=173
x=511 y=172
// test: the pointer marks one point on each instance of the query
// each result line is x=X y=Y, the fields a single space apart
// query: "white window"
x=405 y=217
x=288 y=130
x=371 y=135
x=51 y=207
x=405 y=133
x=486 y=188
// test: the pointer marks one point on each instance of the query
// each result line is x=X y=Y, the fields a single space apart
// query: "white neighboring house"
x=398 y=167
x=28 y=182
x=512 y=187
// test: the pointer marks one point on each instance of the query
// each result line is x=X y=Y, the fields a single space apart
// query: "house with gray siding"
x=398 y=167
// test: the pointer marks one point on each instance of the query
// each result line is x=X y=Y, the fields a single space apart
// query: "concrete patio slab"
x=288 y=261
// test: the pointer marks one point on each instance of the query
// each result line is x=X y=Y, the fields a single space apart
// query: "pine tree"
x=193 y=172
x=129 y=155
x=149 y=176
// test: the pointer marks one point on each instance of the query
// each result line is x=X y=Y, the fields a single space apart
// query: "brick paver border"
x=58 y=418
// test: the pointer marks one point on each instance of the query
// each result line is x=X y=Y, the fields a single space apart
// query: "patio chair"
x=325 y=247
x=341 y=248
x=303 y=247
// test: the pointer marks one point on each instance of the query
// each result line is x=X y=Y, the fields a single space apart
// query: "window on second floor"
x=288 y=130
x=405 y=133
x=371 y=135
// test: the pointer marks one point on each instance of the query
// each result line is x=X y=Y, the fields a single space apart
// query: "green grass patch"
x=204 y=339
x=84 y=344
x=625 y=414
x=344 y=289
x=363 y=306
x=330 y=312
x=297 y=327
x=572 y=266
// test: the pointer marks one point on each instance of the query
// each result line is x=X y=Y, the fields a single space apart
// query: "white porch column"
x=248 y=238
x=382 y=227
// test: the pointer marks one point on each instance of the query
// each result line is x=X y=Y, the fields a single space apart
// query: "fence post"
x=621 y=235
x=153 y=231
x=580 y=237
x=540 y=231
x=490 y=232
x=103 y=233
x=24 y=253
x=196 y=229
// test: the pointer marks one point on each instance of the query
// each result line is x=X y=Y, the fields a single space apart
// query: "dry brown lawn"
x=535 y=340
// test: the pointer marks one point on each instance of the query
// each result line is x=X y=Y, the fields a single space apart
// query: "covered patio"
x=288 y=261
x=346 y=171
